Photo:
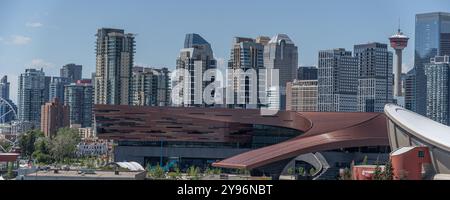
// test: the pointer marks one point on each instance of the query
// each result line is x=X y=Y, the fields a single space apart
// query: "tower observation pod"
x=398 y=42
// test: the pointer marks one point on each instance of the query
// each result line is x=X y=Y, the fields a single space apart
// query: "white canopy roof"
x=132 y=166
x=426 y=129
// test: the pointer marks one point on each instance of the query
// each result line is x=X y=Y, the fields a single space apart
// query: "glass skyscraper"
x=150 y=86
x=72 y=72
x=246 y=54
x=196 y=58
x=56 y=88
x=432 y=38
x=79 y=99
x=32 y=95
x=375 y=76
x=337 y=81
x=115 y=55
x=307 y=73
x=280 y=54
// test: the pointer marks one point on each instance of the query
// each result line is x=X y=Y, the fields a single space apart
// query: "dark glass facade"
x=307 y=73
x=432 y=38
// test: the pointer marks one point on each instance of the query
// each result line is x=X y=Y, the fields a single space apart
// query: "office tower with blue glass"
x=432 y=38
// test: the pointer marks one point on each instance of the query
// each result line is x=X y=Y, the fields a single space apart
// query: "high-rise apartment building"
x=281 y=53
x=31 y=96
x=432 y=38
x=302 y=95
x=246 y=60
x=438 y=89
x=375 y=77
x=337 y=81
x=195 y=58
x=56 y=88
x=150 y=87
x=54 y=115
x=79 y=97
x=115 y=53
x=307 y=73
x=264 y=40
x=47 y=82
x=72 y=72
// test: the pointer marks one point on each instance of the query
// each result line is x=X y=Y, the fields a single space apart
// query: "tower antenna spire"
x=399 y=25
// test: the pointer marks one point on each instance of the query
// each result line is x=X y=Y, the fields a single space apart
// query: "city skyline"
x=47 y=41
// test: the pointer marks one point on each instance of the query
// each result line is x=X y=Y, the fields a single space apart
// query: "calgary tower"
x=398 y=42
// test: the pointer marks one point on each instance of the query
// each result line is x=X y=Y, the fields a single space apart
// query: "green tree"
x=377 y=174
x=207 y=171
x=42 y=150
x=312 y=171
x=217 y=171
x=347 y=174
x=291 y=171
x=244 y=172
x=388 y=173
x=157 y=172
x=301 y=171
x=64 y=144
x=193 y=172
x=177 y=172
x=27 y=140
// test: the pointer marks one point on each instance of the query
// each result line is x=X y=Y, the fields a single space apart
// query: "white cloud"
x=38 y=63
x=16 y=40
x=33 y=24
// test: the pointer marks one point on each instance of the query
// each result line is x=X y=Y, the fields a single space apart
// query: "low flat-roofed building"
x=77 y=175
x=365 y=172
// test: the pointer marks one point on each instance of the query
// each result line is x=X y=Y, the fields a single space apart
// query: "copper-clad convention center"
x=232 y=138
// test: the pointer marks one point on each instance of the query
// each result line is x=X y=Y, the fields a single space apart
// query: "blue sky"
x=51 y=33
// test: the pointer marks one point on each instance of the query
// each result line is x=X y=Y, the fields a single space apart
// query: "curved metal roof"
x=132 y=166
x=318 y=131
x=424 y=128
x=330 y=131
x=277 y=39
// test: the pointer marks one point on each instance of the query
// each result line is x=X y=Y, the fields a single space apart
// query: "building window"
x=421 y=154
